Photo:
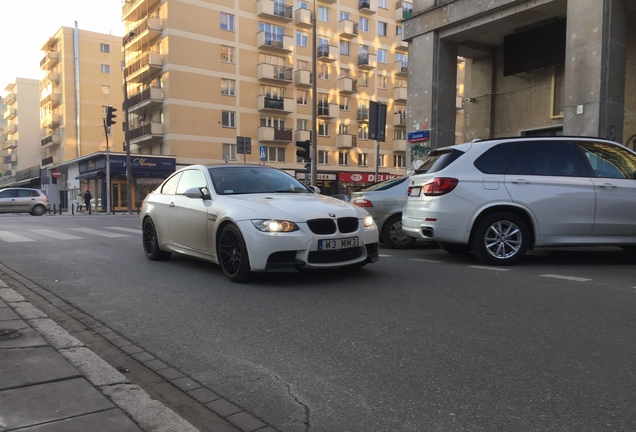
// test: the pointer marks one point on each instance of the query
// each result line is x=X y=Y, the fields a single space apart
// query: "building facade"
x=532 y=67
x=201 y=76
x=21 y=137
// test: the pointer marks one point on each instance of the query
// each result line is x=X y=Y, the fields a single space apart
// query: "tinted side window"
x=11 y=193
x=609 y=161
x=170 y=186
x=495 y=160
x=190 y=179
x=438 y=160
x=545 y=158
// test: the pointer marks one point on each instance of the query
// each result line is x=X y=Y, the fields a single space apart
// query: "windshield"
x=386 y=184
x=248 y=180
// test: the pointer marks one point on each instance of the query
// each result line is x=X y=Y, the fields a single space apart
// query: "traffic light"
x=110 y=115
x=303 y=150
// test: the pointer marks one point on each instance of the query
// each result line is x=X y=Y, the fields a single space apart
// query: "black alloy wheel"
x=501 y=239
x=150 y=242
x=232 y=253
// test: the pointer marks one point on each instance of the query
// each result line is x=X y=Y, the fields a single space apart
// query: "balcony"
x=270 y=134
x=347 y=85
x=51 y=120
x=400 y=45
x=401 y=67
x=368 y=6
x=136 y=9
x=403 y=10
x=280 y=105
x=274 y=41
x=144 y=68
x=399 y=145
x=327 y=110
x=345 y=141
x=302 y=135
x=363 y=115
x=367 y=61
x=302 y=78
x=150 y=97
x=327 y=53
x=51 y=58
x=9 y=99
x=400 y=94
x=347 y=28
x=302 y=17
x=49 y=140
x=54 y=99
x=147 y=134
x=12 y=158
x=10 y=113
x=147 y=33
x=274 y=9
x=399 y=119
x=279 y=74
x=10 y=144
x=11 y=129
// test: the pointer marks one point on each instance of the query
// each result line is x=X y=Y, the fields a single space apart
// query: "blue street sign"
x=418 y=136
x=263 y=153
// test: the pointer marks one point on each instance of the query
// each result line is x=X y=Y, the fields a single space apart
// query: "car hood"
x=294 y=207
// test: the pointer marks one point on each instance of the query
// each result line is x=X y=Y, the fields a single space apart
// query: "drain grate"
x=8 y=334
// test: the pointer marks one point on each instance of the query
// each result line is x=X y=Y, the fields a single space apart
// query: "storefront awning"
x=89 y=175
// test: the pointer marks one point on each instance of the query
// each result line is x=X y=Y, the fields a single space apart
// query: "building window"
x=227 y=87
x=302 y=40
x=323 y=72
x=363 y=79
x=382 y=80
x=382 y=28
x=105 y=48
x=382 y=56
x=345 y=47
x=345 y=16
x=384 y=4
x=323 y=13
x=364 y=25
x=228 y=119
x=275 y=154
x=402 y=83
x=399 y=161
x=302 y=124
x=362 y=159
x=105 y=90
x=343 y=158
x=105 y=68
x=363 y=132
x=343 y=129
x=302 y=97
x=344 y=103
x=382 y=160
x=323 y=157
x=399 y=134
x=302 y=65
x=323 y=128
x=227 y=21
x=227 y=54
x=345 y=73
x=229 y=152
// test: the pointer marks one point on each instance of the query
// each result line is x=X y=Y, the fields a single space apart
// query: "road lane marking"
x=490 y=268
x=56 y=234
x=425 y=260
x=13 y=238
x=572 y=278
x=131 y=230
x=99 y=233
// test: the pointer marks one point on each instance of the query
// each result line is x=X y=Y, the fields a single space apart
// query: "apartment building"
x=21 y=133
x=82 y=75
x=201 y=76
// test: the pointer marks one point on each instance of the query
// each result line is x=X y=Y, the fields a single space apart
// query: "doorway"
x=119 y=195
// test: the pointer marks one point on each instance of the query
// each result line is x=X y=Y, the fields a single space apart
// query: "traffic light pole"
x=314 y=96
x=130 y=35
x=109 y=205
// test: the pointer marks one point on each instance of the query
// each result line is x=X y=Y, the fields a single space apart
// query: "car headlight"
x=368 y=221
x=272 y=225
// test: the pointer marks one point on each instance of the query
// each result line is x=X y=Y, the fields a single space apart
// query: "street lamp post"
x=127 y=129
x=314 y=96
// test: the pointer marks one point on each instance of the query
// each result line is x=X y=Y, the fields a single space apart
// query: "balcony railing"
x=268 y=71
x=276 y=9
x=367 y=61
x=147 y=96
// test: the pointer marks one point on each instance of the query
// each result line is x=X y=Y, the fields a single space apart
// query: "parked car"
x=343 y=197
x=498 y=198
x=385 y=201
x=23 y=200
x=252 y=218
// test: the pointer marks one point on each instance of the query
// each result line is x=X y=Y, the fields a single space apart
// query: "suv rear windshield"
x=438 y=160
x=386 y=184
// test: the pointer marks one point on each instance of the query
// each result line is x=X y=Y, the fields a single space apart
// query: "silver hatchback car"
x=498 y=198
x=23 y=200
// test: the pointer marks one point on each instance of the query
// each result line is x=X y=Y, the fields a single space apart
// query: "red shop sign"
x=364 y=177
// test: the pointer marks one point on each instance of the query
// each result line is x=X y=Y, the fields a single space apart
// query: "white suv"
x=498 y=198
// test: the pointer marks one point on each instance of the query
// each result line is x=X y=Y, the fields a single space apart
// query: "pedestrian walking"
x=87 y=200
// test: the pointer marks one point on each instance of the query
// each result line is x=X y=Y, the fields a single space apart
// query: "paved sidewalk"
x=50 y=381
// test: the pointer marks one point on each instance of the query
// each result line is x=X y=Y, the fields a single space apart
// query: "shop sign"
x=365 y=177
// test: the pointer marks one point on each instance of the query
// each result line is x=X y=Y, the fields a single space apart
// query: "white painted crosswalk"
x=34 y=235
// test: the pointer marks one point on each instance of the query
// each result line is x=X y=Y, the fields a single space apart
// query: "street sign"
x=263 y=151
x=416 y=136
x=243 y=145
x=56 y=173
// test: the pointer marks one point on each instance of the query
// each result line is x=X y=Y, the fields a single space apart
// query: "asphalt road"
x=420 y=341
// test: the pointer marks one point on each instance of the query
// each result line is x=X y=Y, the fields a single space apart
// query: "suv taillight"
x=361 y=202
x=439 y=186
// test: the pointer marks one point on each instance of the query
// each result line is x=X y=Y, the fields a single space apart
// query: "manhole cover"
x=6 y=334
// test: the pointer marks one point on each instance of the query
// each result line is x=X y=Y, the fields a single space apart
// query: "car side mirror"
x=197 y=192
x=315 y=189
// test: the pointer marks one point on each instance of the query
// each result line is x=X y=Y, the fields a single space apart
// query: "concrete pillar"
x=595 y=68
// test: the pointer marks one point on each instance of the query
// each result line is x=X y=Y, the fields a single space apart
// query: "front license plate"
x=337 y=244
